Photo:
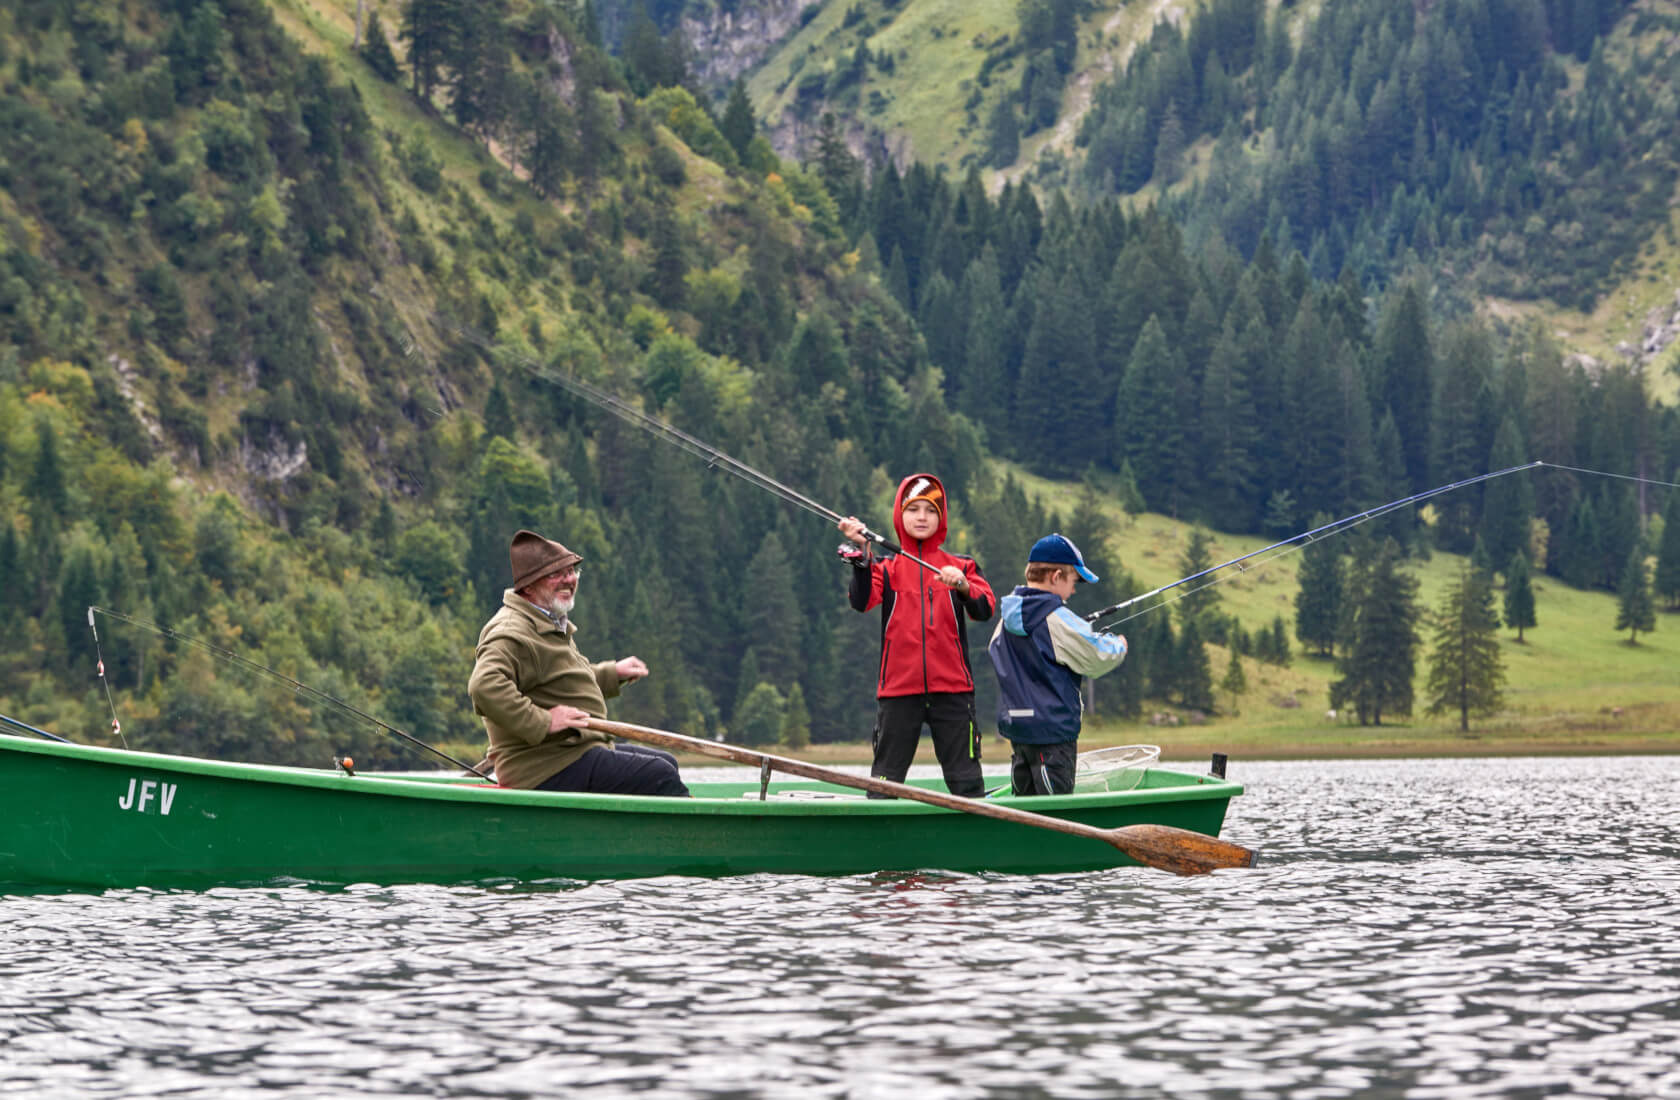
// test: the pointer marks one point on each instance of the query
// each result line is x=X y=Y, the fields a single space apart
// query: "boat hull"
x=81 y=816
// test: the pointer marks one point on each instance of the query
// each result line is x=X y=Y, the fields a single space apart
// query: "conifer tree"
x=1272 y=644
x=983 y=388
x=1194 y=674
x=1380 y=640
x=770 y=614
x=1578 y=553
x=1635 y=610
x=1003 y=134
x=1404 y=369
x=1519 y=595
x=1507 y=502
x=796 y=719
x=738 y=125
x=1668 y=553
x=1157 y=652
x=47 y=491
x=1318 y=604
x=498 y=415
x=78 y=589
x=12 y=593
x=1126 y=490
x=1056 y=400
x=1229 y=438
x=1466 y=673
x=1460 y=437
x=1235 y=681
x=430 y=28
x=747 y=677
x=1149 y=421
x=376 y=51
x=1201 y=602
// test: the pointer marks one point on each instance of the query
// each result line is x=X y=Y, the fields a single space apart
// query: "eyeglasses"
x=571 y=572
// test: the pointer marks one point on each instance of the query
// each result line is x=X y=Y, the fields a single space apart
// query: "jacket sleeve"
x=606 y=677
x=494 y=688
x=1082 y=649
x=865 y=589
x=981 y=601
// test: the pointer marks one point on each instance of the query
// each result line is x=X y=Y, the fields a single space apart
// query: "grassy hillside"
x=926 y=107
x=931 y=102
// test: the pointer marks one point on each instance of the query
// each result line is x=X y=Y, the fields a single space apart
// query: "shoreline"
x=1179 y=750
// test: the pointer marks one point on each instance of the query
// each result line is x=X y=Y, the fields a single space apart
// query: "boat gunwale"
x=451 y=789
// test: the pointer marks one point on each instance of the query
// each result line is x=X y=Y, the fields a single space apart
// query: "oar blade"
x=1179 y=850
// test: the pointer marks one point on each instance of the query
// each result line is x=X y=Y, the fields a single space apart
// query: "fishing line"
x=296 y=685
x=116 y=724
x=1336 y=527
x=661 y=429
x=1623 y=477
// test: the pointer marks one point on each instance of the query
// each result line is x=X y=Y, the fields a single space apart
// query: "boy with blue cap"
x=1042 y=651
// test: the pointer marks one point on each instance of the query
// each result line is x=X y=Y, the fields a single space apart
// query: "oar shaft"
x=1177 y=850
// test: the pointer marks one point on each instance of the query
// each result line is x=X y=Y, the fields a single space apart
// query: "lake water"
x=1439 y=928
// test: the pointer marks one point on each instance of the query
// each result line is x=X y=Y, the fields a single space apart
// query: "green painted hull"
x=79 y=816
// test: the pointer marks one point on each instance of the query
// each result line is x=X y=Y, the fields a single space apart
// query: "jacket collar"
x=540 y=618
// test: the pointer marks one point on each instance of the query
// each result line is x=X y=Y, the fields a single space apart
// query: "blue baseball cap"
x=1060 y=550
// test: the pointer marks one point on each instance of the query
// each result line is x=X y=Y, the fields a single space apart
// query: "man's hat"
x=533 y=557
x=1060 y=550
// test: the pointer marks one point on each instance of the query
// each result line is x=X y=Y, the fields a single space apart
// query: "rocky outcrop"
x=1662 y=328
x=732 y=38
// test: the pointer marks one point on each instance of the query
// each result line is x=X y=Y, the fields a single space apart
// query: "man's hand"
x=952 y=576
x=560 y=717
x=630 y=668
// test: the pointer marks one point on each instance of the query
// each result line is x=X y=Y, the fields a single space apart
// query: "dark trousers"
x=1042 y=769
x=956 y=738
x=620 y=769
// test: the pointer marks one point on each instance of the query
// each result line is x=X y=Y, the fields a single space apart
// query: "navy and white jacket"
x=1042 y=651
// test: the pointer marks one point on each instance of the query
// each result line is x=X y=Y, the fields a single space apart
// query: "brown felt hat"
x=534 y=557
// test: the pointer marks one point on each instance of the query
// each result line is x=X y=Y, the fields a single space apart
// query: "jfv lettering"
x=142 y=793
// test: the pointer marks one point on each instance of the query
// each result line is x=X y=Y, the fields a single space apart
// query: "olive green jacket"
x=526 y=664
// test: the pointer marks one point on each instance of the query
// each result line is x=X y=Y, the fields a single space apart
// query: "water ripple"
x=1417 y=928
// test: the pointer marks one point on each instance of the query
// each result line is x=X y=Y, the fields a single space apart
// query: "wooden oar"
x=1162 y=846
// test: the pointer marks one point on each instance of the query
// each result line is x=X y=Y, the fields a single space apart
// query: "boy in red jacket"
x=925 y=677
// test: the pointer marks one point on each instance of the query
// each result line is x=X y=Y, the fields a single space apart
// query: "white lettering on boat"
x=150 y=790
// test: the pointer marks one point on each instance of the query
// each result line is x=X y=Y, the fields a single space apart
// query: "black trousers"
x=1043 y=769
x=956 y=738
x=620 y=769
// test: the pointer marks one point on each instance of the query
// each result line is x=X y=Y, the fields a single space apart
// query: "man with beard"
x=535 y=691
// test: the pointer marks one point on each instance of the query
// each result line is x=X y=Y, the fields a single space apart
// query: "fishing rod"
x=1334 y=528
x=714 y=458
x=10 y=721
x=296 y=685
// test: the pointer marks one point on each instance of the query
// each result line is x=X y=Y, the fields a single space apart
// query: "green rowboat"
x=80 y=816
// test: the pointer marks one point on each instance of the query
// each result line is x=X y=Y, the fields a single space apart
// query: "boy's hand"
x=853 y=528
x=952 y=577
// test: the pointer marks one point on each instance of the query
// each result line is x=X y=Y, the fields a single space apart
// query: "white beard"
x=561 y=605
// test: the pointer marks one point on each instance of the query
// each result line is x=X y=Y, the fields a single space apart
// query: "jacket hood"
x=937 y=539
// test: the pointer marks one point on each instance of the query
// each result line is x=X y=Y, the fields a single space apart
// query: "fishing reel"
x=853 y=554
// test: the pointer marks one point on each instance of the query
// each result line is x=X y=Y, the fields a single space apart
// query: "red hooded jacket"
x=924 y=630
